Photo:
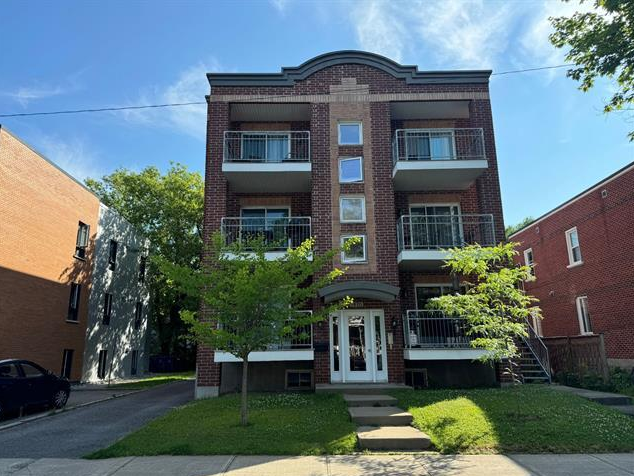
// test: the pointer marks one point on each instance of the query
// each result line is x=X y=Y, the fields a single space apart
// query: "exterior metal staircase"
x=534 y=364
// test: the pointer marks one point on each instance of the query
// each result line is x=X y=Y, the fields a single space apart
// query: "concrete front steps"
x=358 y=388
x=382 y=425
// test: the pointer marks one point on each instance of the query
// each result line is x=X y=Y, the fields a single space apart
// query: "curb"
x=68 y=409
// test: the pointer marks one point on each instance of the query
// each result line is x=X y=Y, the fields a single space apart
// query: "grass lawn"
x=486 y=421
x=281 y=424
x=153 y=381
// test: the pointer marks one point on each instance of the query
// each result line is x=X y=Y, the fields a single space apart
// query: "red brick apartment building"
x=354 y=144
x=583 y=258
x=69 y=300
x=38 y=319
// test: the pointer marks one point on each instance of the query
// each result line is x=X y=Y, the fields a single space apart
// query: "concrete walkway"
x=351 y=465
x=621 y=403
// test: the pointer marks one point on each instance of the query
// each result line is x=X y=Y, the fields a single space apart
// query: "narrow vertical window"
x=103 y=362
x=83 y=232
x=112 y=254
x=138 y=315
x=73 y=302
x=134 y=361
x=142 y=267
x=583 y=314
x=528 y=260
x=67 y=363
x=107 y=309
x=574 y=249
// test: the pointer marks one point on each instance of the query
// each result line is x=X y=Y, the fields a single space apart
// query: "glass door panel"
x=357 y=347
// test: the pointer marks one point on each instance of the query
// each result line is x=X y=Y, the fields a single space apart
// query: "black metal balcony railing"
x=267 y=146
x=438 y=144
x=433 y=329
x=301 y=338
x=429 y=232
x=278 y=234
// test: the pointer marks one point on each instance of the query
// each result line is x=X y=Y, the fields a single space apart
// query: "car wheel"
x=59 y=399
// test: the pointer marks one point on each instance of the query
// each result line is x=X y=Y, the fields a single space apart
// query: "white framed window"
x=583 y=314
x=352 y=209
x=350 y=133
x=357 y=253
x=350 y=169
x=528 y=260
x=574 y=250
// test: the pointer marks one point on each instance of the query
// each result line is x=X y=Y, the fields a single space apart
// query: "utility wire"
x=253 y=98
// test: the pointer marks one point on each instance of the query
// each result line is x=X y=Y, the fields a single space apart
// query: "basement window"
x=299 y=379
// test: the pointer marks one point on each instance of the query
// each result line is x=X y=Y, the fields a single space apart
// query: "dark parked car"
x=24 y=383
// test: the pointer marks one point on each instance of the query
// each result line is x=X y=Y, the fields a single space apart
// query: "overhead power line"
x=254 y=98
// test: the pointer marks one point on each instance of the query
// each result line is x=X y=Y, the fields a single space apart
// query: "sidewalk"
x=352 y=465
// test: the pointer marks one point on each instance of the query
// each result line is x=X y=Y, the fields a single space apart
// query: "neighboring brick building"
x=583 y=254
x=409 y=156
x=48 y=224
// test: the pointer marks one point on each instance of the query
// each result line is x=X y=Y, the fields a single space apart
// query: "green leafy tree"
x=168 y=209
x=509 y=230
x=601 y=45
x=250 y=302
x=494 y=305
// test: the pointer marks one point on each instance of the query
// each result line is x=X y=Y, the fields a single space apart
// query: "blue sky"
x=552 y=140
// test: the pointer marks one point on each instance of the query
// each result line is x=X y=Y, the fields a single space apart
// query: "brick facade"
x=604 y=218
x=41 y=206
x=363 y=93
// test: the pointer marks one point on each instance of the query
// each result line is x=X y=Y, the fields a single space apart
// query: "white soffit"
x=250 y=112
x=404 y=110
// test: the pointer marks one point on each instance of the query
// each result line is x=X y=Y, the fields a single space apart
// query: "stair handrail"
x=542 y=357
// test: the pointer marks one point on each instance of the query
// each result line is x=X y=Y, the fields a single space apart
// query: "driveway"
x=79 y=432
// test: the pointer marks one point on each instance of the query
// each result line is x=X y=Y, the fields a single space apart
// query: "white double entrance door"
x=357 y=346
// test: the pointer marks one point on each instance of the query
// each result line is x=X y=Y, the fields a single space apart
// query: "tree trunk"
x=244 y=410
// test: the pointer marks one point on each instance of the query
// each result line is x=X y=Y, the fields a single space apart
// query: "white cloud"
x=190 y=86
x=75 y=156
x=280 y=5
x=37 y=90
x=379 y=28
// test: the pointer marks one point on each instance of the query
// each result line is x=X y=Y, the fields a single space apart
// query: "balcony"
x=298 y=346
x=431 y=335
x=424 y=240
x=437 y=159
x=278 y=234
x=267 y=161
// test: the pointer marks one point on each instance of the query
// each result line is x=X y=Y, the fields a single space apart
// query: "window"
x=31 y=371
x=134 y=360
x=101 y=367
x=350 y=133
x=67 y=363
x=352 y=209
x=435 y=226
x=107 y=309
x=138 y=315
x=574 y=250
x=351 y=170
x=112 y=254
x=528 y=260
x=9 y=371
x=299 y=379
x=266 y=147
x=356 y=253
x=73 y=302
x=429 y=145
x=425 y=292
x=584 y=315
x=142 y=267
x=83 y=231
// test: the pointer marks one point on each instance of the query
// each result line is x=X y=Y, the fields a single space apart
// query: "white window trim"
x=571 y=261
x=266 y=208
x=532 y=264
x=359 y=123
x=355 y=260
x=578 y=300
x=352 y=197
x=266 y=141
x=345 y=159
x=431 y=285
x=430 y=131
x=443 y=204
